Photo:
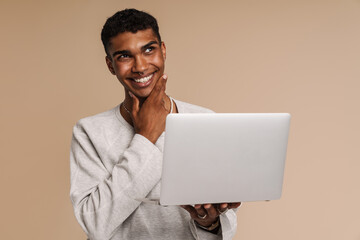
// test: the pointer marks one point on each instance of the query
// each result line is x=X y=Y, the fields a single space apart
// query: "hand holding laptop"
x=207 y=214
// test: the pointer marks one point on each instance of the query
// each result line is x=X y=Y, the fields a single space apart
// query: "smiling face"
x=137 y=60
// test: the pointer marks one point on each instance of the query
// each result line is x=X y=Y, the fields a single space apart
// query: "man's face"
x=137 y=60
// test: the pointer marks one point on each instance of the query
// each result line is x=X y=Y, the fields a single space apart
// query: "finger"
x=211 y=210
x=191 y=210
x=234 y=205
x=196 y=206
x=163 y=81
x=135 y=104
x=223 y=207
x=165 y=77
x=187 y=208
x=159 y=87
x=201 y=212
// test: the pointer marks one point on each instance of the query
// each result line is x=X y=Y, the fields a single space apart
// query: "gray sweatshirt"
x=111 y=167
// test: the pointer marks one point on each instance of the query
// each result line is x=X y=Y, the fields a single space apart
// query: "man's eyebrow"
x=149 y=44
x=121 y=52
x=128 y=52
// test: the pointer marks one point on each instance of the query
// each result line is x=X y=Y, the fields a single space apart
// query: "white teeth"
x=144 y=79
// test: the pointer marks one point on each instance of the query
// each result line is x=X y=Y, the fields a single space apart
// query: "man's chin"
x=142 y=95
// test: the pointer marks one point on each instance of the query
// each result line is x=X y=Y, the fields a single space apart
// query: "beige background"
x=299 y=56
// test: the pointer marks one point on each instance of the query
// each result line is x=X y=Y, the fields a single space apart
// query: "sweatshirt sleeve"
x=228 y=222
x=103 y=200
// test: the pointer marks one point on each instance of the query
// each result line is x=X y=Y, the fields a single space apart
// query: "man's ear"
x=163 y=50
x=109 y=64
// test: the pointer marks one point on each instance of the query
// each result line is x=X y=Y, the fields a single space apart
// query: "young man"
x=116 y=156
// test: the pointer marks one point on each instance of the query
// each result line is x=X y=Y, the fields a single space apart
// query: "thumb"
x=165 y=77
x=135 y=103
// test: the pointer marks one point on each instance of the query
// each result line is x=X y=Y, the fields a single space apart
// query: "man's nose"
x=140 y=64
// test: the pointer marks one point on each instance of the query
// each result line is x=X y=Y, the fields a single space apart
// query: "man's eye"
x=123 y=57
x=149 y=49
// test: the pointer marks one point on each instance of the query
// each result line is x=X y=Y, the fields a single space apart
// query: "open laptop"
x=230 y=157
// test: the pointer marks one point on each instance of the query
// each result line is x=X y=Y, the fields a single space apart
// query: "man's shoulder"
x=185 y=107
x=99 y=120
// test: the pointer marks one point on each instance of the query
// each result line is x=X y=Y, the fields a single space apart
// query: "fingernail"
x=207 y=206
x=165 y=76
x=131 y=95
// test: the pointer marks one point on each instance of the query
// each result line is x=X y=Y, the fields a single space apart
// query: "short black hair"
x=128 y=20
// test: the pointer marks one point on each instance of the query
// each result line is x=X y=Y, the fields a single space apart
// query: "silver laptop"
x=230 y=157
